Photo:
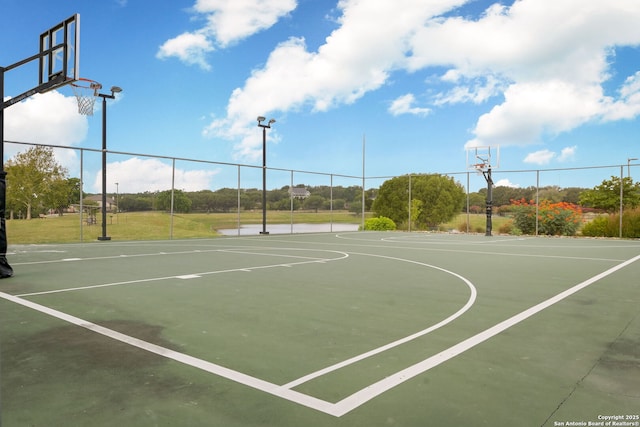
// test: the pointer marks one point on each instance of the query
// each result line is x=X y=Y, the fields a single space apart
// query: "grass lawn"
x=155 y=225
x=477 y=223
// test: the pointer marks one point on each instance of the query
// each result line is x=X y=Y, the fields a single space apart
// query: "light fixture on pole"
x=105 y=96
x=629 y=160
x=264 y=170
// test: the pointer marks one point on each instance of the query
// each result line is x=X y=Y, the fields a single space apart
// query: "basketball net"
x=480 y=167
x=85 y=91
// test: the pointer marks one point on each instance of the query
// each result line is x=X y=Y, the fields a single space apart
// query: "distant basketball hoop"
x=479 y=168
x=86 y=91
x=482 y=159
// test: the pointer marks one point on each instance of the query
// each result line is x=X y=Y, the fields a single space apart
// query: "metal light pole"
x=117 y=201
x=264 y=170
x=104 y=96
x=629 y=160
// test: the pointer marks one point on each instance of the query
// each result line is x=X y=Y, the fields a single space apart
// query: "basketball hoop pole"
x=486 y=162
x=487 y=177
x=53 y=78
x=5 y=268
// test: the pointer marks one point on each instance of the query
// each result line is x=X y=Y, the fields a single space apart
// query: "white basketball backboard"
x=483 y=157
x=60 y=53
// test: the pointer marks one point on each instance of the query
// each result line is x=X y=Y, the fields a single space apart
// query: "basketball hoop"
x=480 y=167
x=85 y=91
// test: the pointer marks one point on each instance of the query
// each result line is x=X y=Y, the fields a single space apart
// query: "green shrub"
x=380 y=223
x=597 y=227
x=609 y=226
x=506 y=228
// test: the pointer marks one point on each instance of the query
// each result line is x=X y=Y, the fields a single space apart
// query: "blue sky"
x=552 y=83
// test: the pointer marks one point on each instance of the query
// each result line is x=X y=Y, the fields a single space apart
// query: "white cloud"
x=506 y=183
x=548 y=60
x=567 y=154
x=227 y=22
x=137 y=175
x=232 y=20
x=533 y=109
x=404 y=105
x=190 y=48
x=542 y=157
x=356 y=58
x=50 y=119
x=628 y=105
x=550 y=55
x=477 y=90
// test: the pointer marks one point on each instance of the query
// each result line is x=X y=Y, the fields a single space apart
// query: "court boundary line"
x=404 y=340
x=309 y=260
x=375 y=244
x=356 y=399
x=161 y=253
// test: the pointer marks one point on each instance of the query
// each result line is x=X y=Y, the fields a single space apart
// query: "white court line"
x=182 y=276
x=195 y=251
x=467 y=306
x=351 y=402
x=457 y=251
x=55 y=261
x=236 y=376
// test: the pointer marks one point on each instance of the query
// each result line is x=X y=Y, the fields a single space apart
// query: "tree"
x=225 y=199
x=572 y=195
x=606 y=196
x=393 y=199
x=131 y=203
x=75 y=195
x=181 y=203
x=34 y=178
x=314 y=202
x=440 y=199
x=61 y=194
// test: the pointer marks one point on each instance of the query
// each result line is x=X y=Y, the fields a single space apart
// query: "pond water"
x=252 y=229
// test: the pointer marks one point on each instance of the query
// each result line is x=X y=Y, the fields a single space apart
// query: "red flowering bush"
x=554 y=219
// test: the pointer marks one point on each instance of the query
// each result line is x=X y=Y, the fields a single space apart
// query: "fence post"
x=409 y=212
x=621 y=197
x=173 y=182
x=468 y=217
x=239 y=204
x=537 y=199
x=81 y=194
x=331 y=202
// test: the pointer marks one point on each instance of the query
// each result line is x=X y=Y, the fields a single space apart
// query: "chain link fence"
x=339 y=203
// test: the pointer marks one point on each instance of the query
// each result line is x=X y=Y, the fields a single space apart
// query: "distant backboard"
x=60 y=53
x=483 y=157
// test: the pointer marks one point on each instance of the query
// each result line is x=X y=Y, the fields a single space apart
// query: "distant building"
x=299 y=193
x=111 y=203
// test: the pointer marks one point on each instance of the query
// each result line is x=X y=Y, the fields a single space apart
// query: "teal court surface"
x=333 y=329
